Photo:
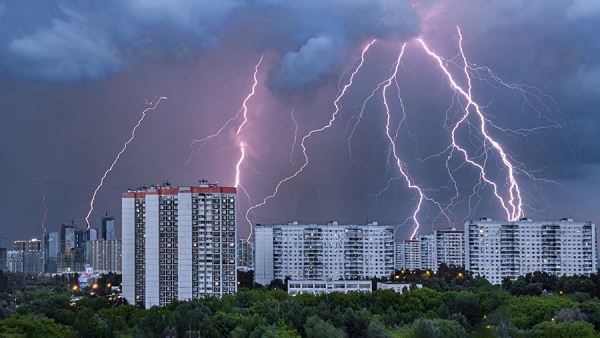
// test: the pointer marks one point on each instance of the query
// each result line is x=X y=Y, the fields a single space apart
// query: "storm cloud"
x=74 y=76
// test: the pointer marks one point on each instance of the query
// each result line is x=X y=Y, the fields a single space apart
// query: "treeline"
x=451 y=304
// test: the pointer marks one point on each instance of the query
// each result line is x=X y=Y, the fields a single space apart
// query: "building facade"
x=322 y=252
x=316 y=287
x=178 y=243
x=105 y=255
x=14 y=261
x=245 y=254
x=26 y=256
x=408 y=255
x=427 y=252
x=450 y=247
x=52 y=249
x=497 y=250
x=109 y=229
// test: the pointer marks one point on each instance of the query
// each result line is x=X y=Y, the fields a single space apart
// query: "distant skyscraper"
x=74 y=247
x=26 y=257
x=14 y=261
x=108 y=228
x=178 y=243
x=3 y=259
x=500 y=249
x=52 y=247
x=19 y=245
x=322 y=252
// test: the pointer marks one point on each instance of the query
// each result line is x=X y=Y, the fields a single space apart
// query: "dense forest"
x=451 y=304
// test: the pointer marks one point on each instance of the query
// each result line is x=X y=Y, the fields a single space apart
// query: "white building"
x=245 y=254
x=500 y=249
x=408 y=255
x=449 y=247
x=427 y=252
x=178 y=243
x=317 y=287
x=105 y=255
x=323 y=251
x=397 y=287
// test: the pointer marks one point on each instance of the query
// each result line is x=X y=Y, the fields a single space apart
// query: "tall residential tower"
x=178 y=243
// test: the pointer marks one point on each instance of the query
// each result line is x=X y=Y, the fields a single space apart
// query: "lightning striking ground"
x=152 y=107
x=394 y=151
x=328 y=125
x=512 y=205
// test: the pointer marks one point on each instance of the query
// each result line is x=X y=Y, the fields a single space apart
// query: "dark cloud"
x=95 y=39
x=201 y=55
x=90 y=40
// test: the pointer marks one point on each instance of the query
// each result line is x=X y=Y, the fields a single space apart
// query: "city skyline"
x=58 y=146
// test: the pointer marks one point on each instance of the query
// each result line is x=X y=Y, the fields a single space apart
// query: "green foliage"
x=578 y=329
x=315 y=327
x=30 y=326
x=452 y=303
x=526 y=311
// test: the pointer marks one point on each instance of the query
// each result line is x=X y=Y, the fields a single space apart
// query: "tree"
x=465 y=303
x=565 y=329
x=569 y=315
x=315 y=327
x=29 y=326
x=424 y=328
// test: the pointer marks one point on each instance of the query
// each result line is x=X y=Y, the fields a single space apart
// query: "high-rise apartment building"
x=178 y=243
x=449 y=247
x=499 y=249
x=245 y=254
x=427 y=252
x=322 y=251
x=408 y=255
x=105 y=255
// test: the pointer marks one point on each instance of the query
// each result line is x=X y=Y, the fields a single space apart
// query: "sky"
x=76 y=75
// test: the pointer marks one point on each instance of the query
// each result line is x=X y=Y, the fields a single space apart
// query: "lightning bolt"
x=512 y=205
x=242 y=111
x=152 y=107
x=422 y=197
x=239 y=164
x=358 y=118
x=336 y=104
x=44 y=207
x=295 y=135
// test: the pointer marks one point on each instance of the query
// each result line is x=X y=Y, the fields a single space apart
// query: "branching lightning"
x=242 y=111
x=153 y=106
x=512 y=204
x=336 y=104
x=394 y=150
